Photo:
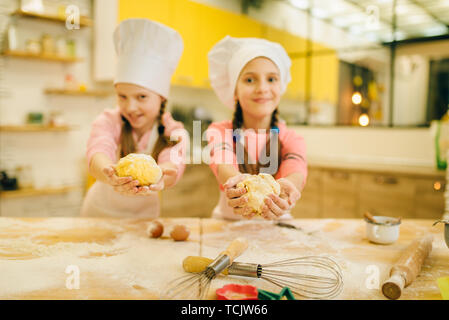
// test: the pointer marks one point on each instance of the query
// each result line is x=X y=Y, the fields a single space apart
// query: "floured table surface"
x=116 y=259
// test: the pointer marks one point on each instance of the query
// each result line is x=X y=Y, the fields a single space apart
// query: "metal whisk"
x=311 y=277
x=196 y=286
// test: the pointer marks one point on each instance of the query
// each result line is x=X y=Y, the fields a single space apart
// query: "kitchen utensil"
x=237 y=292
x=267 y=295
x=443 y=284
x=291 y=226
x=384 y=230
x=446 y=230
x=287 y=225
x=311 y=277
x=196 y=286
x=407 y=267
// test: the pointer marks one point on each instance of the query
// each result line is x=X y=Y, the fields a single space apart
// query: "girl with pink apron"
x=148 y=53
x=249 y=75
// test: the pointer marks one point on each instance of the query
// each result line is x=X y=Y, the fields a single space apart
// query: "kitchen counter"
x=42 y=258
x=417 y=171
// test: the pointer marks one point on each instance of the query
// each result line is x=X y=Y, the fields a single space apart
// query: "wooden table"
x=86 y=258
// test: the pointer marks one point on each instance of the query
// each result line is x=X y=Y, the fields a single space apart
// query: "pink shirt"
x=105 y=138
x=293 y=148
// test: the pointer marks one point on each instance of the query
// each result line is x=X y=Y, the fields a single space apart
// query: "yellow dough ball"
x=258 y=187
x=141 y=167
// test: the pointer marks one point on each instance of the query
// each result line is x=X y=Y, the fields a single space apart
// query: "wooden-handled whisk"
x=311 y=277
x=197 y=285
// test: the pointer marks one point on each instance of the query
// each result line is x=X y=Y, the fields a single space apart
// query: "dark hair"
x=245 y=166
x=128 y=146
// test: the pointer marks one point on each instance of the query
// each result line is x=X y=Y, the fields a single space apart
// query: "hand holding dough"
x=140 y=167
x=258 y=187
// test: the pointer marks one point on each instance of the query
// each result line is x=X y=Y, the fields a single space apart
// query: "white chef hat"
x=230 y=55
x=148 y=54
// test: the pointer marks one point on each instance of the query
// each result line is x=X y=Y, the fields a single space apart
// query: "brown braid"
x=162 y=141
x=237 y=123
x=127 y=144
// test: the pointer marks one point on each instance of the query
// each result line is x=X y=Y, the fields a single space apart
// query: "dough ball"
x=258 y=187
x=141 y=167
x=155 y=229
x=180 y=232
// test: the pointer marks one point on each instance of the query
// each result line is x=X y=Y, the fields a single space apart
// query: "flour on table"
x=129 y=259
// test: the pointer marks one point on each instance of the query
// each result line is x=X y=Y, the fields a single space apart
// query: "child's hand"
x=123 y=185
x=167 y=174
x=276 y=206
x=289 y=191
x=236 y=199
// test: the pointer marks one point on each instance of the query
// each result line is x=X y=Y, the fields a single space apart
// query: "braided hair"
x=127 y=144
x=245 y=166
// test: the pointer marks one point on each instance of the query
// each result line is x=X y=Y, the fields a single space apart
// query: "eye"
x=249 y=80
x=272 y=79
x=142 y=97
x=121 y=96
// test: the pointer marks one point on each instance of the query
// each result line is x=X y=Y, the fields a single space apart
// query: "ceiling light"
x=436 y=31
x=356 y=98
x=300 y=4
x=363 y=120
x=319 y=13
x=399 y=35
x=356 y=30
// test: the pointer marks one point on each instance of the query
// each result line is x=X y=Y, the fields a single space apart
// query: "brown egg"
x=155 y=229
x=180 y=232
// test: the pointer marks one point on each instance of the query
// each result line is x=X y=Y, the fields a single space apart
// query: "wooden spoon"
x=370 y=217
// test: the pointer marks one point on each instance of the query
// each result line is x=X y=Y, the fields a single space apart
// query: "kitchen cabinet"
x=339 y=193
x=429 y=197
x=387 y=195
x=196 y=193
x=310 y=204
x=349 y=193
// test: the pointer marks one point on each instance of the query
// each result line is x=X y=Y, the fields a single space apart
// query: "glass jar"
x=33 y=46
x=48 y=44
x=24 y=176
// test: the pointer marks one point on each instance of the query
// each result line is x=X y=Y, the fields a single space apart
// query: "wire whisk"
x=196 y=286
x=310 y=277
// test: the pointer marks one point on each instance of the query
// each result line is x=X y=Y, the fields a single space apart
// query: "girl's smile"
x=258 y=91
x=138 y=105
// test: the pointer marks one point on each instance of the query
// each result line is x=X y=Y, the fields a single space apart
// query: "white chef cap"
x=148 y=54
x=230 y=55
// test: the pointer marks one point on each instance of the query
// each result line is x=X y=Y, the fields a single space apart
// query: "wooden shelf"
x=31 y=192
x=90 y=93
x=48 y=57
x=84 y=21
x=34 y=128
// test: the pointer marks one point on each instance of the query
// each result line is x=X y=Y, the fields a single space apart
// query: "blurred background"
x=369 y=93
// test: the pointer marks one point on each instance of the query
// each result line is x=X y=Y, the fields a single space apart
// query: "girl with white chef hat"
x=249 y=75
x=148 y=53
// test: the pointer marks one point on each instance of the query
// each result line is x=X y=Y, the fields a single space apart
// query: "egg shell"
x=180 y=232
x=155 y=229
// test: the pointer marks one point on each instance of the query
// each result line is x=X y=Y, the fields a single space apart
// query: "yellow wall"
x=202 y=26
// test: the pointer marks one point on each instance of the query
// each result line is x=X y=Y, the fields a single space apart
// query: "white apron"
x=103 y=201
x=223 y=211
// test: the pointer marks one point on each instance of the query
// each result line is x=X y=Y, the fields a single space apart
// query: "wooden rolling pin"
x=407 y=267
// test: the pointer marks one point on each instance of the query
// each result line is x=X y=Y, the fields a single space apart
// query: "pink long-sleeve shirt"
x=293 y=148
x=105 y=138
